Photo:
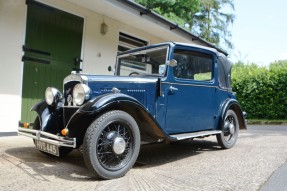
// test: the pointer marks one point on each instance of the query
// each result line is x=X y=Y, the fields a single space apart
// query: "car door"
x=191 y=101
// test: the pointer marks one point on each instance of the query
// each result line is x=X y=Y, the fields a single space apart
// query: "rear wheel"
x=111 y=145
x=63 y=151
x=229 y=135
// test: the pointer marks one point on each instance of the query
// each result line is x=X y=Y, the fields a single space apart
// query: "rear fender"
x=235 y=106
x=149 y=128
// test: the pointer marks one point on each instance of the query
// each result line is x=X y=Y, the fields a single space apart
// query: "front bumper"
x=48 y=137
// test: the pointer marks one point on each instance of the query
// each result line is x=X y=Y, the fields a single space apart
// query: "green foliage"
x=178 y=11
x=212 y=24
x=203 y=76
x=204 y=18
x=261 y=91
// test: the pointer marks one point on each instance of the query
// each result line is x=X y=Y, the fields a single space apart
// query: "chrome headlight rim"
x=81 y=93
x=52 y=95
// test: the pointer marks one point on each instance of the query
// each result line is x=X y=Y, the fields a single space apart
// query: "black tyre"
x=63 y=151
x=229 y=135
x=111 y=145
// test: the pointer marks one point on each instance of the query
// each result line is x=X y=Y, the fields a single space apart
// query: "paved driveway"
x=196 y=165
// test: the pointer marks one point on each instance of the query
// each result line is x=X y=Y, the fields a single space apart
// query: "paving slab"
x=191 y=165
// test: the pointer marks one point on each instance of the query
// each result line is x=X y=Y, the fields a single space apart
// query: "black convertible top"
x=224 y=72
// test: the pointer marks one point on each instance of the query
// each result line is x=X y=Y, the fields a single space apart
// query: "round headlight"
x=52 y=95
x=81 y=93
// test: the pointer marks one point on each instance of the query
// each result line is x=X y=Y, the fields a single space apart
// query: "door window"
x=193 y=65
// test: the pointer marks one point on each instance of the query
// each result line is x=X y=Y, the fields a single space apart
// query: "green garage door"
x=52 y=50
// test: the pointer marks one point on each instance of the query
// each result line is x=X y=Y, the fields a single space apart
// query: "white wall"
x=12 y=32
x=98 y=51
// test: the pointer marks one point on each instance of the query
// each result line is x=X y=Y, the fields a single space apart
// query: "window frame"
x=199 y=52
x=144 y=51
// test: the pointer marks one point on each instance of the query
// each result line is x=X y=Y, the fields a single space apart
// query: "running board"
x=183 y=136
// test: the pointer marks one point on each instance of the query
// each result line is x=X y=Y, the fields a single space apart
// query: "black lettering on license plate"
x=46 y=147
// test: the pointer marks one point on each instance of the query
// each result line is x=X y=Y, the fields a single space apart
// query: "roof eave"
x=172 y=26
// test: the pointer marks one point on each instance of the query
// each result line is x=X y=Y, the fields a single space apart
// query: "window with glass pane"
x=144 y=62
x=193 y=65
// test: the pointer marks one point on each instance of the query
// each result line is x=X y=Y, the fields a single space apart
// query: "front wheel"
x=229 y=135
x=111 y=145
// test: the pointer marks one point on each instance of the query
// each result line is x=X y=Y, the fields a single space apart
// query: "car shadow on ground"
x=73 y=168
x=158 y=154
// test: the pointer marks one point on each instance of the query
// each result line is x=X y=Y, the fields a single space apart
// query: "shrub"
x=261 y=91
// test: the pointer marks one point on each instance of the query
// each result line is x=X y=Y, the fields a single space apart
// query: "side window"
x=193 y=65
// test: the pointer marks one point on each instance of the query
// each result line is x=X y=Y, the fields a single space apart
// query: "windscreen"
x=145 y=62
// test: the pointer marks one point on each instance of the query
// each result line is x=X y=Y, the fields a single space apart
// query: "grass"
x=267 y=121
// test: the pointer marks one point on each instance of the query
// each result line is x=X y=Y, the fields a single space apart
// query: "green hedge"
x=261 y=91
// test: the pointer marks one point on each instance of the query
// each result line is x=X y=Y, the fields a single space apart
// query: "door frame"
x=194 y=85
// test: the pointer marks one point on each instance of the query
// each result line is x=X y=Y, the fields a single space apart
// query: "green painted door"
x=52 y=50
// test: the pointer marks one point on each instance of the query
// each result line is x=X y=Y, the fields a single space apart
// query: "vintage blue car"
x=160 y=93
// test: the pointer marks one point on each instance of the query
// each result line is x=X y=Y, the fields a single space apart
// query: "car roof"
x=173 y=43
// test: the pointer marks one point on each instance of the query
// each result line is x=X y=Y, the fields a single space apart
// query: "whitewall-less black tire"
x=230 y=129
x=111 y=145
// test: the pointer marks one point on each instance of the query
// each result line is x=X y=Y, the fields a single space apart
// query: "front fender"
x=149 y=128
x=50 y=118
x=235 y=106
x=103 y=101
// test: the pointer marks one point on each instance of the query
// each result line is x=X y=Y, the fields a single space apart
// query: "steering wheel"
x=133 y=73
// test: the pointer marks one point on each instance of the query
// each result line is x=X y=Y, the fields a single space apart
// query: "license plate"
x=47 y=147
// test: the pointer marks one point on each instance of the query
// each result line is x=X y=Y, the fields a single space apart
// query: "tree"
x=178 y=11
x=212 y=24
x=204 y=18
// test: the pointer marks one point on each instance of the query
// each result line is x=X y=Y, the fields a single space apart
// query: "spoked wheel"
x=111 y=145
x=230 y=129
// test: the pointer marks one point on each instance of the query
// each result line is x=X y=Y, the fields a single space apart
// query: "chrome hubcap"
x=119 y=145
x=231 y=129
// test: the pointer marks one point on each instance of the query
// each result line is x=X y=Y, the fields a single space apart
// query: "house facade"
x=42 y=41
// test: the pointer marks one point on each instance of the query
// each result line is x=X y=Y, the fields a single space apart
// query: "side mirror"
x=172 y=63
x=110 y=69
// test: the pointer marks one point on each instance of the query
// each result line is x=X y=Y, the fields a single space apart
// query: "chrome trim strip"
x=195 y=134
x=73 y=107
x=55 y=139
x=198 y=85
x=144 y=50
x=122 y=79
x=73 y=77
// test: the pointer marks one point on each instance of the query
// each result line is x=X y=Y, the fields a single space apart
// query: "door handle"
x=172 y=89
